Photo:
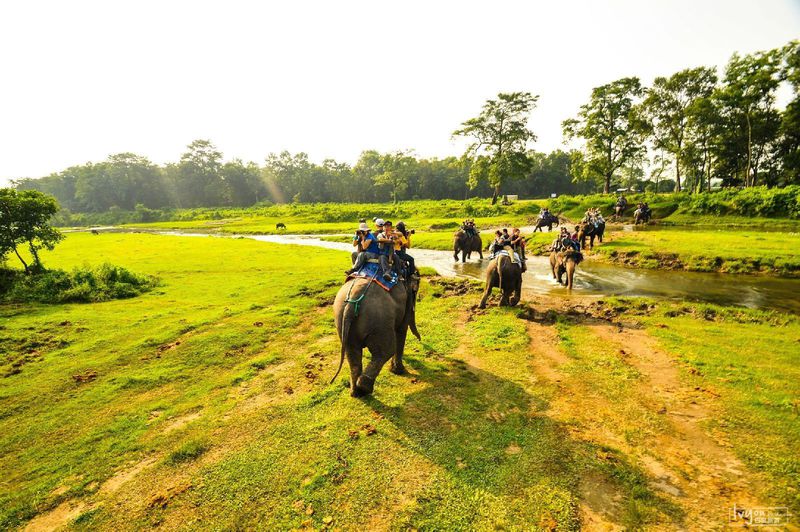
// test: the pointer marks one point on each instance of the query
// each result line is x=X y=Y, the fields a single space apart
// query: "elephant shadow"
x=490 y=435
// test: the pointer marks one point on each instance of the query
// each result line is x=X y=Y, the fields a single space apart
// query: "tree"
x=199 y=181
x=611 y=127
x=243 y=182
x=396 y=169
x=668 y=107
x=500 y=137
x=746 y=103
x=789 y=143
x=25 y=219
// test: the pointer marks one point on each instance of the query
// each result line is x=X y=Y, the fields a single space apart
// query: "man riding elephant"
x=546 y=219
x=620 y=206
x=466 y=240
x=367 y=315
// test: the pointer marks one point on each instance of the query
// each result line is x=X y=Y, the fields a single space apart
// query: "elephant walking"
x=368 y=316
x=506 y=275
x=466 y=244
x=588 y=229
x=565 y=262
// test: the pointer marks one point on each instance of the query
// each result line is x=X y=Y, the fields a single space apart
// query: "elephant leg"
x=570 y=274
x=517 y=292
x=354 y=358
x=397 y=366
x=463 y=255
x=480 y=253
x=560 y=274
x=487 y=292
x=455 y=253
x=381 y=352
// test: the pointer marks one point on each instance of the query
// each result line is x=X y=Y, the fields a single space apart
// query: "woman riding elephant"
x=505 y=274
x=366 y=315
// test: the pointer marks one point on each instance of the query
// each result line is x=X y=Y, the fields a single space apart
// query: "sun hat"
x=363 y=227
x=379 y=221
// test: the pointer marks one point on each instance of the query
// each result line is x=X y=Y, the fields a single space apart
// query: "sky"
x=82 y=80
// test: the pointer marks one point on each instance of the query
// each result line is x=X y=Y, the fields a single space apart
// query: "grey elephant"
x=565 y=262
x=368 y=316
x=505 y=274
x=466 y=244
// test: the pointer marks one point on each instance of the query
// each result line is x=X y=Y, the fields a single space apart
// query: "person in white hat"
x=367 y=245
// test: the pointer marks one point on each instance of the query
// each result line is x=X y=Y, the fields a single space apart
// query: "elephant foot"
x=363 y=387
x=482 y=305
x=398 y=369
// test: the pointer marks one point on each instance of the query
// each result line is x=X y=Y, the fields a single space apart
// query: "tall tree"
x=199 y=180
x=668 y=107
x=612 y=128
x=500 y=136
x=746 y=102
x=789 y=147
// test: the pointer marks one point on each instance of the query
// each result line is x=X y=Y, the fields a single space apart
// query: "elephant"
x=369 y=316
x=466 y=244
x=565 y=262
x=505 y=274
x=641 y=217
x=588 y=229
x=619 y=210
x=548 y=221
x=280 y=225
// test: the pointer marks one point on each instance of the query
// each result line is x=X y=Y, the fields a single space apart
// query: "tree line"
x=681 y=133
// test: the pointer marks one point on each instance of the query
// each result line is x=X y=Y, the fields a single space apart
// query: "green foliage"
x=499 y=137
x=81 y=285
x=189 y=451
x=612 y=129
x=25 y=220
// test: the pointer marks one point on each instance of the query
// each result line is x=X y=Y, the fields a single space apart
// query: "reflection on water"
x=606 y=279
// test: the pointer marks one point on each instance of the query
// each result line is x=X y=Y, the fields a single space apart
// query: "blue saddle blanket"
x=373 y=270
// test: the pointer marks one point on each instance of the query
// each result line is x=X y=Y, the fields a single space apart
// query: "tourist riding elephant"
x=640 y=216
x=368 y=316
x=506 y=275
x=548 y=221
x=565 y=262
x=466 y=244
x=588 y=229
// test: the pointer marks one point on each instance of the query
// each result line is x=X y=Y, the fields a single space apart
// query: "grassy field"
x=720 y=250
x=205 y=404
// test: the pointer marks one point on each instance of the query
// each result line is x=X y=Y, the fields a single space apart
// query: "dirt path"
x=684 y=462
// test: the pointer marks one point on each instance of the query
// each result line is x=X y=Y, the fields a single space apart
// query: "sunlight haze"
x=83 y=80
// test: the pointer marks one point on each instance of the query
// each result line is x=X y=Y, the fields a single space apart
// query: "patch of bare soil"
x=114 y=483
x=56 y=518
x=181 y=421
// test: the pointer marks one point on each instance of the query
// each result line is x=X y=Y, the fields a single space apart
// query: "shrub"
x=81 y=285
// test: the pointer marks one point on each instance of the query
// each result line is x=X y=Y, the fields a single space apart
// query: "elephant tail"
x=348 y=316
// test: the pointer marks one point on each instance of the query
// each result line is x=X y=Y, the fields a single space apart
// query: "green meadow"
x=206 y=403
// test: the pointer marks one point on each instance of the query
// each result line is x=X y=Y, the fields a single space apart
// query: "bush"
x=81 y=285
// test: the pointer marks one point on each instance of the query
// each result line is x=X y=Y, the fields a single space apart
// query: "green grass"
x=726 y=251
x=752 y=361
x=216 y=383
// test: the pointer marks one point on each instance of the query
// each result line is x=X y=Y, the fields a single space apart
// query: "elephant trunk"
x=348 y=316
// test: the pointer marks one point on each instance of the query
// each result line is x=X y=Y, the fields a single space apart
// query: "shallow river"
x=600 y=279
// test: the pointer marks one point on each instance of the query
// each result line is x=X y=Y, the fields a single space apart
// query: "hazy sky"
x=82 y=80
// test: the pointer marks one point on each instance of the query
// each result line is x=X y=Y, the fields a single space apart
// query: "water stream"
x=600 y=279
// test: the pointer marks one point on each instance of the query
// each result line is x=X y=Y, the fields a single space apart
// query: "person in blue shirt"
x=368 y=248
